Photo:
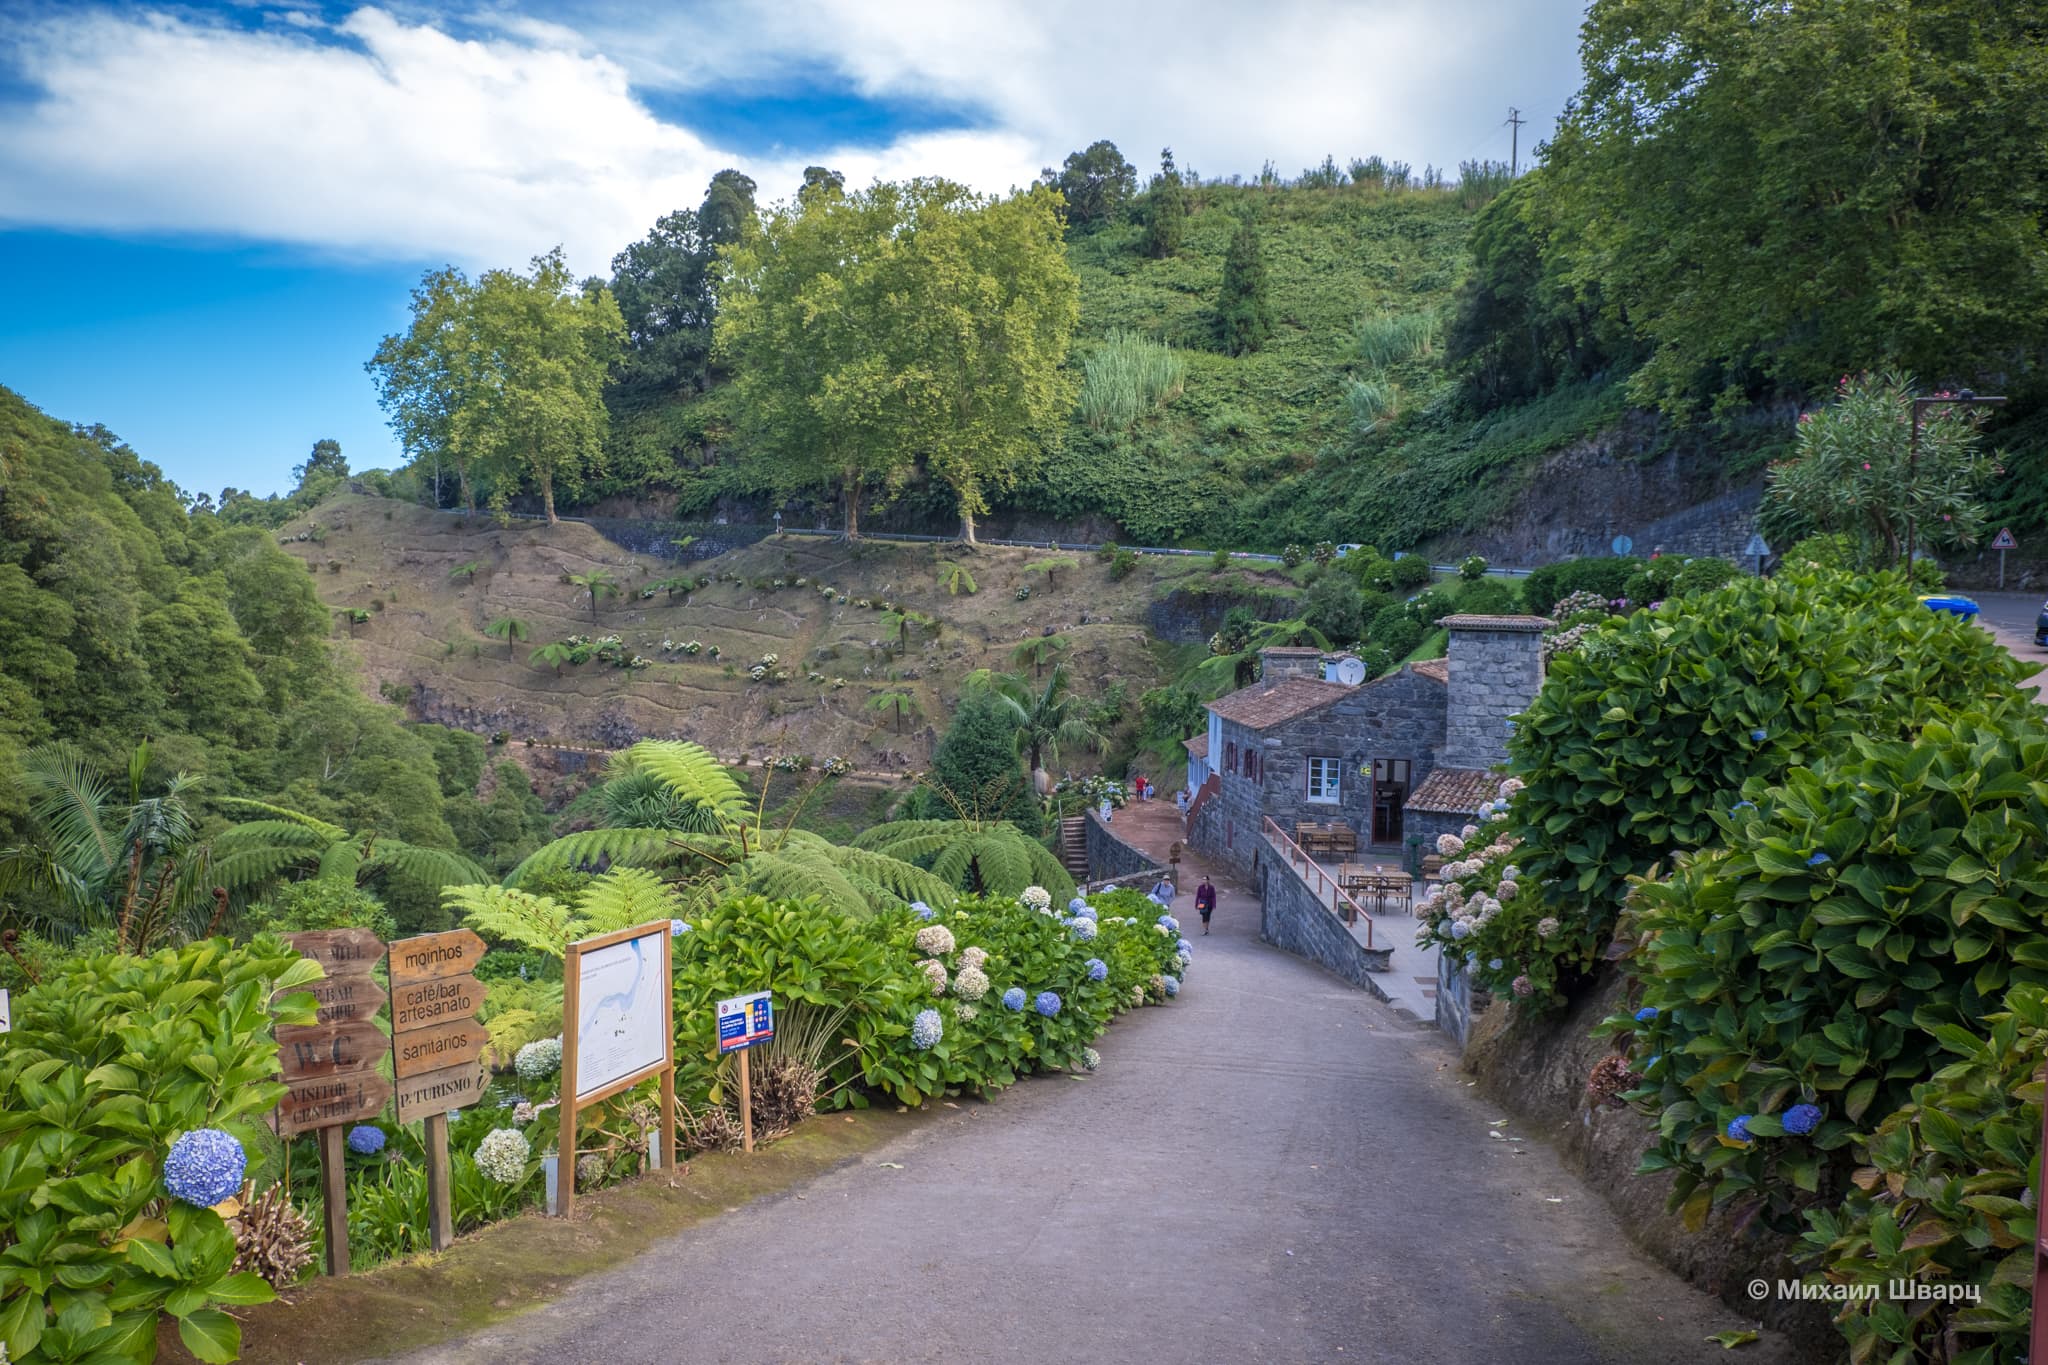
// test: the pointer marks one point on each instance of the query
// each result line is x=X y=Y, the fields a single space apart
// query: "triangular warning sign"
x=2004 y=541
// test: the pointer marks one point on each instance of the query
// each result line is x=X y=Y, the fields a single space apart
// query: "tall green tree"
x=664 y=288
x=1768 y=192
x=1244 y=315
x=511 y=630
x=976 y=773
x=425 y=375
x=1098 y=185
x=599 y=583
x=1166 y=210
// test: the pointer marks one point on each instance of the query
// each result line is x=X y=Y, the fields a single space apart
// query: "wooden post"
x=565 y=1142
x=334 y=1198
x=746 y=1104
x=2038 y=1336
x=668 y=1121
x=440 y=1215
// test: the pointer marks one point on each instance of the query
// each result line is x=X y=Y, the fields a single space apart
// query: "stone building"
x=1404 y=755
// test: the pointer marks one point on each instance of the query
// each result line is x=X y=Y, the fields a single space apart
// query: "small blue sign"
x=1622 y=545
x=745 y=1020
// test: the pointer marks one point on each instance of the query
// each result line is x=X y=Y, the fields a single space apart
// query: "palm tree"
x=902 y=703
x=1222 y=672
x=899 y=624
x=673 y=584
x=558 y=653
x=955 y=579
x=1045 y=717
x=1040 y=651
x=282 y=840
x=510 y=629
x=135 y=863
x=737 y=852
x=598 y=583
x=467 y=571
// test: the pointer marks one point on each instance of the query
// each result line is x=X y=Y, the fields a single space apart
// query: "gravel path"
x=1271 y=1168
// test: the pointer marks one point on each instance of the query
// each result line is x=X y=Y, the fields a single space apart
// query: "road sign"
x=436 y=1092
x=1758 y=547
x=345 y=999
x=343 y=952
x=434 y=1002
x=434 y=956
x=323 y=1101
x=2004 y=541
x=306 y=1052
x=1622 y=545
x=439 y=1047
x=745 y=1020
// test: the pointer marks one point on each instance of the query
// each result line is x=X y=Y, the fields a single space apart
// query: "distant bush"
x=1489 y=597
x=1394 y=630
x=1370 y=402
x=1127 y=377
x=1674 y=577
x=1554 y=582
x=1389 y=339
x=1332 y=606
x=1474 y=566
x=1122 y=562
x=1412 y=571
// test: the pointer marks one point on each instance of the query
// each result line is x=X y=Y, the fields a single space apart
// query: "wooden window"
x=1230 y=758
x=1324 y=783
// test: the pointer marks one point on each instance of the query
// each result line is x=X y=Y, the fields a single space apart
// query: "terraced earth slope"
x=424 y=642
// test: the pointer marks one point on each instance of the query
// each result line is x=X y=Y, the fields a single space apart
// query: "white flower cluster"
x=502 y=1155
x=972 y=957
x=966 y=1013
x=935 y=975
x=1450 y=845
x=1037 y=898
x=971 y=983
x=538 y=1061
x=935 y=940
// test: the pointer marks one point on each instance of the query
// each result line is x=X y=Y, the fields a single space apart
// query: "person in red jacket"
x=1205 y=901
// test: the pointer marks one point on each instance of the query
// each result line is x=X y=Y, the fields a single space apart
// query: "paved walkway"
x=2011 y=616
x=1271 y=1168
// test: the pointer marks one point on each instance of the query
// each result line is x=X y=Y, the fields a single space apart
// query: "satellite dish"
x=1350 y=670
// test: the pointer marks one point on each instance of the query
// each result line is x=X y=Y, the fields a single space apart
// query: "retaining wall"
x=1293 y=917
x=1110 y=858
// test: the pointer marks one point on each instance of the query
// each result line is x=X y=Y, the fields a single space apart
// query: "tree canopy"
x=1098 y=185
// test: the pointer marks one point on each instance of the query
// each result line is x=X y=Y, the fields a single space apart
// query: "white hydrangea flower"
x=1546 y=926
x=934 y=940
x=502 y=1155
x=971 y=983
x=966 y=1013
x=1510 y=787
x=935 y=975
x=1036 y=898
x=1450 y=845
x=1508 y=890
x=538 y=1060
x=1510 y=873
x=1468 y=831
x=972 y=957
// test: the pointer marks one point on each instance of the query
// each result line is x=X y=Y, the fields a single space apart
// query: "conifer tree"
x=1166 y=213
x=1242 y=310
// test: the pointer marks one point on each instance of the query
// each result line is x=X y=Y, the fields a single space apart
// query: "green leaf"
x=211 y=1335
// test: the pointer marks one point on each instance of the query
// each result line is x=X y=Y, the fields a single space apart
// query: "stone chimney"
x=1496 y=667
x=1289 y=662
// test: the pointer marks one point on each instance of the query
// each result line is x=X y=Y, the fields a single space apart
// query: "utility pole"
x=1515 y=121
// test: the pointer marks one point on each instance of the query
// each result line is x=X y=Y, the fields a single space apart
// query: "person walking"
x=1205 y=901
x=1164 y=892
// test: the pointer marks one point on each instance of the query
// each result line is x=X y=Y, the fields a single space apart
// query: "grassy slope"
x=429 y=632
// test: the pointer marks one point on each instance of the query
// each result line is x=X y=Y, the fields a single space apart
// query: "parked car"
x=2041 y=626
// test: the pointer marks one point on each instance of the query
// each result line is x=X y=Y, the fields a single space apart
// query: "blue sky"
x=210 y=212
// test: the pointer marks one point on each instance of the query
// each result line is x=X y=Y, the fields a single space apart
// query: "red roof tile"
x=1455 y=791
x=1438 y=670
x=1265 y=705
x=1198 y=747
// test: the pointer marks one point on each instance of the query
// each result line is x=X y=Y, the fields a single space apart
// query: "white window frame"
x=1333 y=782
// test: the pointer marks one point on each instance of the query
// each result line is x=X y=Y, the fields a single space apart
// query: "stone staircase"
x=1074 y=846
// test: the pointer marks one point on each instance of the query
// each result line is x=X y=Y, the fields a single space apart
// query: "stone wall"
x=1185 y=617
x=1111 y=858
x=1495 y=674
x=1453 y=999
x=1398 y=716
x=1428 y=824
x=1292 y=917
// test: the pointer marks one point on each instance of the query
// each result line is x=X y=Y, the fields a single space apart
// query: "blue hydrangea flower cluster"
x=1184 y=948
x=1083 y=929
x=365 y=1139
x=1738 y=1128
x=926 y=1029
x=1076 y=906
x=1047 y=1004
x=1098 y=970
x=1013 y=998
x=1646 y=1014
x=1084 y=911
x=1172 y=924
x=205 y=1166
x=1172 y=984
x=1802 y=1119
x=676 y=928
x=921 y=910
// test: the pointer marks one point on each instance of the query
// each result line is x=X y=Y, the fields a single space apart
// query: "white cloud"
x=393 y=137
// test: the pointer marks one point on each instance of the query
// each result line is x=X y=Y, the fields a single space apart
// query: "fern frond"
x=341 y=862
x=514 y=916
x=328 y=833
x=622 y=898
x=241 y=868
x=435 y=866
x=67 y=798
x=903 y=881
x=693 y=773
x=592 y=847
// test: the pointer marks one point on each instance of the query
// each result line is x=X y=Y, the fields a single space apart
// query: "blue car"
x=1956 y=605
x=2041 y=626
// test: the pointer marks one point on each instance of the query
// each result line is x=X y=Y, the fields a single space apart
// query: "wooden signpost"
x=330 y=1067
x=437 y=1050
x=618 y=1029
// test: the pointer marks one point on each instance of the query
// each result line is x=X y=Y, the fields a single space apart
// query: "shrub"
x=110 y=1060
x=1860 y=910
x=1654 y=726
x=1943 y=1201
x=1122 y=563
x=1411 y=571
x=1670 y=576
x=1473 y=568
x=1395 y=630
x=1292 y=556
x=1489 y=597
x=1331 y=606
x=1374 y=572
x=1219 y=561
x=1390 y=339
x=1554 y=582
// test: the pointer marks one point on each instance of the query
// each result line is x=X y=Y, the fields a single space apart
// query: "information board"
x=622 y=1011
x=745 y=1020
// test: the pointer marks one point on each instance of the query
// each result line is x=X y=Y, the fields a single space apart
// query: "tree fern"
x=510 y=915
x=690 y=770
x=625 y=897
x=600 y=847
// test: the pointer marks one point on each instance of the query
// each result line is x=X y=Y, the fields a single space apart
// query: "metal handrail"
x=1337 y=891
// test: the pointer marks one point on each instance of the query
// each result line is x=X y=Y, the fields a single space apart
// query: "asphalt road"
x=1270 y=1168
x=2011 y=617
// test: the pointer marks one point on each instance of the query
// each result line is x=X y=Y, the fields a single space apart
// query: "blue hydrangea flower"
x=926 y=1029
x=1651 y=1065
x=1098 y=970
x=1646 y=1014
x=1047 y=1004
x=1743 y=805
x=1172 y=924
x=1494 y=965
x=366 y=1139
x=1172 y=984
x=1738 y=1128
x=1443 y=926
x=1759 y=736
x=1802 y=1119
x=1013 y=998
x=921 y=910
x=1084 y=911
x=1184 y=947
x=1461 y=930
x=205 y=1166
x=1076 y=906
x=1083 y=929
x=1817 y=859
x=676 y=928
